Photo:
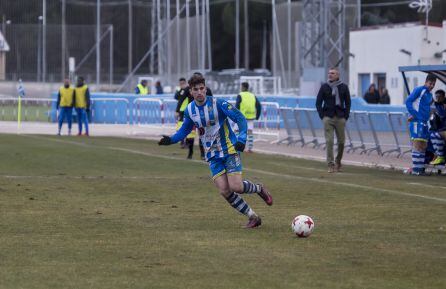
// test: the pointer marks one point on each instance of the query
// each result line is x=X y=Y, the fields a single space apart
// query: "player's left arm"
x=87 y=98
x=348 y=103
x=258 y=108
x=236 y=116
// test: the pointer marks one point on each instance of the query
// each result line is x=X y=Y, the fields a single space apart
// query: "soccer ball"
x=302 y=226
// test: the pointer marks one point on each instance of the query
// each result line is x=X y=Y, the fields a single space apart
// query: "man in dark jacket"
x=333 y=105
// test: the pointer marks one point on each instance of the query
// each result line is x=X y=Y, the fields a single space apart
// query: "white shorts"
x=250 y=124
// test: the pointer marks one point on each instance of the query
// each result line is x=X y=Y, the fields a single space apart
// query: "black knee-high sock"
x=240 y=205
x=201 y=148
x=251 y=188
x=190 y=145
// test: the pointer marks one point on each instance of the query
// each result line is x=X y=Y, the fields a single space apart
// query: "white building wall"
x=444 y=42
x=378 y=51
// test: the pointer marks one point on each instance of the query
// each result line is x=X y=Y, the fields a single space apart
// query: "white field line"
x=315 y=180
x=428 y=186
x=304 y=168
x=83 y=177
x=323 y=159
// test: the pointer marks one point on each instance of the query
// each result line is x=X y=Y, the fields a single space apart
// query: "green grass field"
x=126 y=213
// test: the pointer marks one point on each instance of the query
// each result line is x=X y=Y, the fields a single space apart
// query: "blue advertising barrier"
x=122 y=110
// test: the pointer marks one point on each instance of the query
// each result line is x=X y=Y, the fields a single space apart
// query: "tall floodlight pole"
x=203 y=35
x=98 y=43
x=160 y=40
x=237 y=34
x=246 y=36
x=39 y=50
x=208 y=32
x=273 y=59
x=177 y=22
x=152 y=36
x=168 y=46
x=289 y=42
x=64 y=38
x=264 y=45
x=187 y=37
x=358 y=5
x=111 y=58
x=423 y=6
x=130 y=44
x=44 y=42
x=197 y=32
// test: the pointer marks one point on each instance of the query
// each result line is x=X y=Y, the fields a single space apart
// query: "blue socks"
x=418 y=161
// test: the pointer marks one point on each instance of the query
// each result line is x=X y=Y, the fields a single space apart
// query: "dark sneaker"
x=253 y=222
x=265 y=195
x=338 y=167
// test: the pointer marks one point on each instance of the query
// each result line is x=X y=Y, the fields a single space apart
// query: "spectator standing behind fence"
x=65 y=103
x=372 y=95
x=184 y=98
x=333 y=105
x=159 y=87
x=141 y=88
x=384 y=98
x=418 y=105
x=251 y=108
x=82 y=105
x=182 y=86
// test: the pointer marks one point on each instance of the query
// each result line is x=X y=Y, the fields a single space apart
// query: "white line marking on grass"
x=84 y=177
x=428 y=186
x=316 y=180
x=322 y=159
x=304 y=168
x=369 y=188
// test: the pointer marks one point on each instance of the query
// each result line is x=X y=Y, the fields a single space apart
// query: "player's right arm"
x=319 y=102
x=184 y=130
x=238 y=101
x=410 y=101
x=58 y=100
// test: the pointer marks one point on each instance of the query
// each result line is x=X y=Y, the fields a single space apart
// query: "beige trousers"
x=334 y=125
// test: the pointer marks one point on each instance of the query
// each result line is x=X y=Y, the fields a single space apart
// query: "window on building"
x=364 y=83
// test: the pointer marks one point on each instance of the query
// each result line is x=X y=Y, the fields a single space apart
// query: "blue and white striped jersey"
x=419 y=102
x=211 y=120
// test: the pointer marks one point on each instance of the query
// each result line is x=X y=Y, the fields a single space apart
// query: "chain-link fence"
x=37 y=52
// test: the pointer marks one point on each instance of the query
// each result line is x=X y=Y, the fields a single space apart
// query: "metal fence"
x=383 y=133
x=366 y=132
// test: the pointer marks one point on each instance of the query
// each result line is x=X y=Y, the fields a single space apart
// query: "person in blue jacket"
x=418 y=105
x=222 y=147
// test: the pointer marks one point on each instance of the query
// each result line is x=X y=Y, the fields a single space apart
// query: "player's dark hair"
x=431 y=77
x=440 y=92
x=198 y=73
x=245 y=85
x=196 y=79
x=182 y=79
x=80 y=78
x=143 y=81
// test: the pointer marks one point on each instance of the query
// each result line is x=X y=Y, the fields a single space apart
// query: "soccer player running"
x=222 y=147
x=419 y=107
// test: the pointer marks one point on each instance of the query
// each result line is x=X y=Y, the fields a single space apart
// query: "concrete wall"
x=378 y=50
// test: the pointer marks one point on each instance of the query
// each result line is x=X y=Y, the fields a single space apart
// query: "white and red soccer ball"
x=302 y=226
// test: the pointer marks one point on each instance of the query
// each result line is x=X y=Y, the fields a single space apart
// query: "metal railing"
x=382 y=132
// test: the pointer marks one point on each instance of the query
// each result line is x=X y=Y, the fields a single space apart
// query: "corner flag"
x=21 y=93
